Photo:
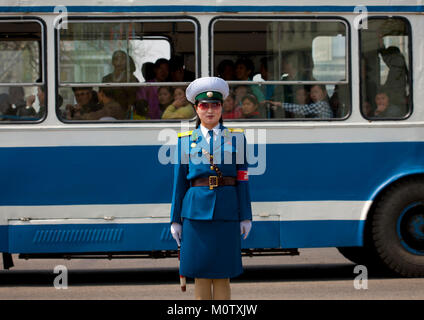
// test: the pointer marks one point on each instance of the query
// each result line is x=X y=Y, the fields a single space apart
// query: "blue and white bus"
x=79 y=178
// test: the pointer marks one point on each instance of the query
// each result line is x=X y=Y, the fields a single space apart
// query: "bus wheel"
x=398 y=228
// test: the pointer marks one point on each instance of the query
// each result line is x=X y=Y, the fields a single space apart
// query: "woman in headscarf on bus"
x=211 y=202
x=123 y=71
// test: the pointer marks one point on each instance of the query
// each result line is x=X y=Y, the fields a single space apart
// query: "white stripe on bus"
x=159 y=213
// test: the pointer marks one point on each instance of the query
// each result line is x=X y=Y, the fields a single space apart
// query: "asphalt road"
x=316 y=274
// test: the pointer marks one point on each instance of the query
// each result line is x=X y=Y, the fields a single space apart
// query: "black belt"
x=214 y=181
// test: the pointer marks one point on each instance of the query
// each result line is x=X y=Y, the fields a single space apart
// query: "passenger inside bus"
x=86 y=102
x=123 y=68
x=291 y=71
x=230 y=110
x=180 y=107
x=178 y=72
x=17 y=97
x=385 y=47
x=397 y=78
x=148 y=71
x=140 y=110
x=251 y=109
x=385 y=109
x=338 y=101
x=111 y=108
x=266 y=71
x=226 y=70
x=244 y=71
x=18 y=107
x=41 y=95
x=240 y=92
x=123 y=71
x=318 y=107
x=14 y=106
x=150 y=93
x=165 y=97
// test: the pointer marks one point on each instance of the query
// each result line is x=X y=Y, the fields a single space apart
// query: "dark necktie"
x=211 y=141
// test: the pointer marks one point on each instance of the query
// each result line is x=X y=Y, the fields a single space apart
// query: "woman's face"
x=164 y=96
x=209 y=113
x=228 y=73
x=382 y=101
x=317 y=94
x=242 y=73
x=228 y=104
x=179 y=94
x=162 y=72
x=248 y=106
x=119 y=61
x=301 y=96
x=240 y=93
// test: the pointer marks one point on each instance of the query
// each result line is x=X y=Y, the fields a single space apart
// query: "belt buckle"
x=213 y=182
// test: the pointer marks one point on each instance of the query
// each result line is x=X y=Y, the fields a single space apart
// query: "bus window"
x=385 y=65
x=22 y=92
x=290 y=69
x=126 y=71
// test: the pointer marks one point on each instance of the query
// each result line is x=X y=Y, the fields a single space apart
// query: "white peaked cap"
x=207 y=84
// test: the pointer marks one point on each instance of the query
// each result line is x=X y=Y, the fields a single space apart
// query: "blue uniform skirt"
x=210 y=249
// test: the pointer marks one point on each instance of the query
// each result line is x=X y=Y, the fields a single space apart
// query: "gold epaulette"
x=236 y=130
x=184 y=134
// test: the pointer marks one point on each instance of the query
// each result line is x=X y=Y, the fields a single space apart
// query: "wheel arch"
x=378 y=194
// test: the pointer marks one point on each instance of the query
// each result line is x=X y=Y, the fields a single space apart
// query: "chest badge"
x=194 y=136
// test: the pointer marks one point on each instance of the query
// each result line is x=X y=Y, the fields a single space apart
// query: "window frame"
x=126 y=19
x=410 y=64
x=43 y=71
x=278 y=18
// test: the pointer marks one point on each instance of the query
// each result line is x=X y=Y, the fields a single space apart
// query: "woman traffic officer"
x=211 y=201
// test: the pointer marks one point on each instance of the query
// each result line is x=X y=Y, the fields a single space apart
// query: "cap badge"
x=209 y=94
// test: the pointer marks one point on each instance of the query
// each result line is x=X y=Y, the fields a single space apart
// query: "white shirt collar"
x=205 y=132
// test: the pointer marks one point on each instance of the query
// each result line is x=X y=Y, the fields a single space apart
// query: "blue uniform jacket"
x=231 y=203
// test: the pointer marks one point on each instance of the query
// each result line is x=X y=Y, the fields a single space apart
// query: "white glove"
x=245 y=227
x=176 y=230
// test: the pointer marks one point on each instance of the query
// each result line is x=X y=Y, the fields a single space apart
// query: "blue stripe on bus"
x=182 y=8
x=133 y=174
x=146 y=237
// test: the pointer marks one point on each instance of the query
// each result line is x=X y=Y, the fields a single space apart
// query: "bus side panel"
x=264 y=234
x=84 y=175
x=67 y=238
x=114 y=237
x=332 y=171
x=323 y=233
x=4 y=242
x=111 y=237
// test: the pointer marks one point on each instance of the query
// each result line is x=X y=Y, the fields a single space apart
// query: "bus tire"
x=397 y=228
